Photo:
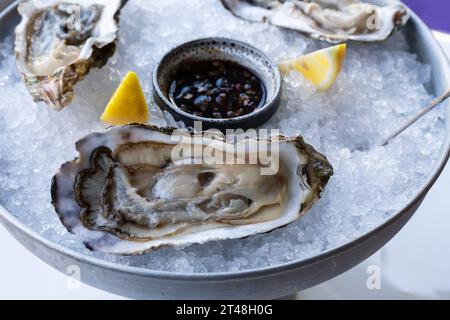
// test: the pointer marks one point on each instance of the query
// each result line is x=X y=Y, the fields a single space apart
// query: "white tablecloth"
x=415 y=264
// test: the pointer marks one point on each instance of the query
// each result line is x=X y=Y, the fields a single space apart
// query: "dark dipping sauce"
x=216 y=89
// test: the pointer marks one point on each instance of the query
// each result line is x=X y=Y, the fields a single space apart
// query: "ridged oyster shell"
x=128 y=194
x=58 y=42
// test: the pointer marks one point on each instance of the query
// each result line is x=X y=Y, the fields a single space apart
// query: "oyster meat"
x=137 y=188
x=330 y=20
x=58 y=42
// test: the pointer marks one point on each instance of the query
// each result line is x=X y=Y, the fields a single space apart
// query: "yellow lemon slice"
x=320 y=67
x=128 y=104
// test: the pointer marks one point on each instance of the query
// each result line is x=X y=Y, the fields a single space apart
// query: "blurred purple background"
x=436 y=13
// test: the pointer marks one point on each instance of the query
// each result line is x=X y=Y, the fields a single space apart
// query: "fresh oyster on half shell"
x=329 y=20
x=137 y=188
x=58 y=42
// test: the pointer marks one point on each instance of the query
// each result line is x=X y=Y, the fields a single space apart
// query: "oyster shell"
x=132 y=190
x=330 y=20
x=58 y=42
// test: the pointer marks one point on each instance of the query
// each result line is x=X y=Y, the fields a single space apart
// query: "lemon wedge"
x=128 y=104
x=321 y=67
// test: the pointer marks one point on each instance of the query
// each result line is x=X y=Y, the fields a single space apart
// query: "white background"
x=415 y=264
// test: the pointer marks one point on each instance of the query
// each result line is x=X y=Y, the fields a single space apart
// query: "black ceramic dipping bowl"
x=210 y=49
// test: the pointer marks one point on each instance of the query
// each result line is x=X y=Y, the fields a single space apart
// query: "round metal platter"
x=264 y=283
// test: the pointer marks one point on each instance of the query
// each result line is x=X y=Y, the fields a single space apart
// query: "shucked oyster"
x=329 y=20
x=58 y=42
x=137 y=188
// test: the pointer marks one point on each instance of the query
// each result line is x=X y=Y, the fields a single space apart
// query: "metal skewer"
x=437 y=101
x=123 y=3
